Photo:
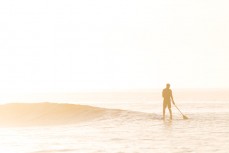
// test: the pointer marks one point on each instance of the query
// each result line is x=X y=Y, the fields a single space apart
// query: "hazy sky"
x=80 y=45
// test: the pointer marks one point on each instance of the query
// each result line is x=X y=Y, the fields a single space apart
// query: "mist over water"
x=100 y=45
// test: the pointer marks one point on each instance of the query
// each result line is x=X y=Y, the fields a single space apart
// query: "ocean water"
x=130 y=126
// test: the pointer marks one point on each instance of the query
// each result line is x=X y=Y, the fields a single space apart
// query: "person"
x=168 y=96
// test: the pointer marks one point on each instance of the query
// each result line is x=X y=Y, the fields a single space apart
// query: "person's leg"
x=170 y=110
x=164 y=107
x=163 y=112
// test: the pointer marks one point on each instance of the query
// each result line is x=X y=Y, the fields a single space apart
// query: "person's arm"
x=172 y=97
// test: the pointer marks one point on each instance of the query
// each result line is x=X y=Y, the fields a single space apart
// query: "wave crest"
x=35 y=114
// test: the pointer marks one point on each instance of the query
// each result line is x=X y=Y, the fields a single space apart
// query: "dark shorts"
x=167 y=104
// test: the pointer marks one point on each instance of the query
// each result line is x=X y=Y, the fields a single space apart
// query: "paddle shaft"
x=179 y=110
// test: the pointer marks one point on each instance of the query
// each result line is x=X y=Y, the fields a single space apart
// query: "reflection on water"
x=168 y=124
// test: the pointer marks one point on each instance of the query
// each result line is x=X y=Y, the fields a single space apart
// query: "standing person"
x=167 y=95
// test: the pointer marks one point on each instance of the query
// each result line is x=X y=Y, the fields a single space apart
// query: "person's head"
x=167 y=85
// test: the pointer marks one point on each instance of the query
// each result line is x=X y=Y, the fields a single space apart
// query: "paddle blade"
x=185 y=117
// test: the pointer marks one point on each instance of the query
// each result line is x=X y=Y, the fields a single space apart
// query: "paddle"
x=184 y=117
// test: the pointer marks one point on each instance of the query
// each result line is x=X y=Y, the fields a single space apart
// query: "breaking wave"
x=36 y=114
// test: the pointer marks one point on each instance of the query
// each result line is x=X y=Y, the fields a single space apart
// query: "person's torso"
x=167 y=94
